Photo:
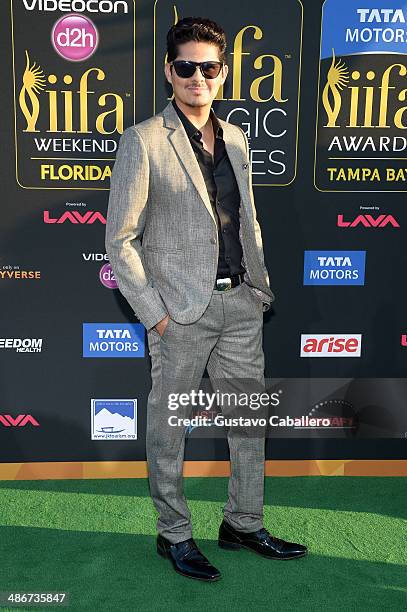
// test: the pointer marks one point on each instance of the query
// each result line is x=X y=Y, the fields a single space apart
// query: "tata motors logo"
x=114 y=419
x=332 y=345
x=113 y=340
x=334 y=267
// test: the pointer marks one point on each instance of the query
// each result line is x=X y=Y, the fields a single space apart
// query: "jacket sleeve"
x=257 y=230
x=125 y=223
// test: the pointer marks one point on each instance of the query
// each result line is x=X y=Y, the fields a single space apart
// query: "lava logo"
x=113 y=340
x=334 y=267
x=106 y=277
x=368 y=221
x=335 y=345
x=21 y=421
x=114 y=419
x=87 y=218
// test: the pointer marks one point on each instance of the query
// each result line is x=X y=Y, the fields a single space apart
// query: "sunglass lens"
x=211 y=70
x=184 y=69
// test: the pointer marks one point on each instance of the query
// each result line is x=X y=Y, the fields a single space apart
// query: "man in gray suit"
x=186 y=250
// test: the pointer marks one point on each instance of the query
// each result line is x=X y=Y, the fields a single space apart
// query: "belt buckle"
x=224 y=284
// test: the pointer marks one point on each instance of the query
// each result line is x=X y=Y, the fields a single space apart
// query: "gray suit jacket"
x=161 y=233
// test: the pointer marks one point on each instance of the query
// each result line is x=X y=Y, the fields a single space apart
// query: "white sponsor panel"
x=331 y=345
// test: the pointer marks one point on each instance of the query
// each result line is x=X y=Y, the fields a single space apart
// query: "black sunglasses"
x=185 y=69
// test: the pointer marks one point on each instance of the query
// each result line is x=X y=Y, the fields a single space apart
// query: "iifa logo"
x=70 y=99
x=113 y=340
x=114 y=419
x=361 y=119
x=34 y=81
x=334 y=267
x=261 y=93
x=332 y=345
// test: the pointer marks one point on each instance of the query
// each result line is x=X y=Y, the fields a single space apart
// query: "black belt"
x=228 y=282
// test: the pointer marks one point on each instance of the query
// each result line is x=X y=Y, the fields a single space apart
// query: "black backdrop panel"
x=62 y=120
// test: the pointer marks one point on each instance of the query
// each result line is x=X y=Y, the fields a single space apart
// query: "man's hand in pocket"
x=161 y=325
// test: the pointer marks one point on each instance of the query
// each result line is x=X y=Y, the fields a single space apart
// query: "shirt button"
x=213 y=240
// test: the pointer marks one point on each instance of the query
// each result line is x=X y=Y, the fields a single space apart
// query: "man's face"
x=196 y=90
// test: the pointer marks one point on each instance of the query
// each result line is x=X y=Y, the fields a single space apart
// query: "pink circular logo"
x=75 y=37
x=106 y=277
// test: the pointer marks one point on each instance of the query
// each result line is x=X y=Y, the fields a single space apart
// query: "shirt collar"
x=191 y=130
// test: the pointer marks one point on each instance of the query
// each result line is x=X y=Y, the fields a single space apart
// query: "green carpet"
x=96 y=540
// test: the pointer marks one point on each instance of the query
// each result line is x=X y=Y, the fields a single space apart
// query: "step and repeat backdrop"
x=320 y=89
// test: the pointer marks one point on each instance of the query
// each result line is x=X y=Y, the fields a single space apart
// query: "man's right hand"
x=161 y=325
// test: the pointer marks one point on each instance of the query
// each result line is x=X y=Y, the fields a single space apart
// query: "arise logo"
x=76 y=217
x=332 y=345
x=368 y=221
x=20 y=421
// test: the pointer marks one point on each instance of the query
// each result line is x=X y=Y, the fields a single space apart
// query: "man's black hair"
x=199 y=29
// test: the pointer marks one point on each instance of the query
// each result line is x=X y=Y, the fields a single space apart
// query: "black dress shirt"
x=223 y=193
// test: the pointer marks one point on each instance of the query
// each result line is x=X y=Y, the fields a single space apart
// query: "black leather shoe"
x=187 y=559
x=261 y=542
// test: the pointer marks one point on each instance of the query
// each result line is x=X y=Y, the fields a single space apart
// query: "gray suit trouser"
x=228 y=340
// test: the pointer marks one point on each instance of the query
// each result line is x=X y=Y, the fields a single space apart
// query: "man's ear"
x=225 y=69
x=167 y=72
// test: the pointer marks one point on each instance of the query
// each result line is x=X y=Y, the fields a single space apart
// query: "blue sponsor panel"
x=352 y=28
x=113 y=340
x=334 y=267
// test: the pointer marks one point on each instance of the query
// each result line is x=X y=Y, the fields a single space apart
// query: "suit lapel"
x=183 y=148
